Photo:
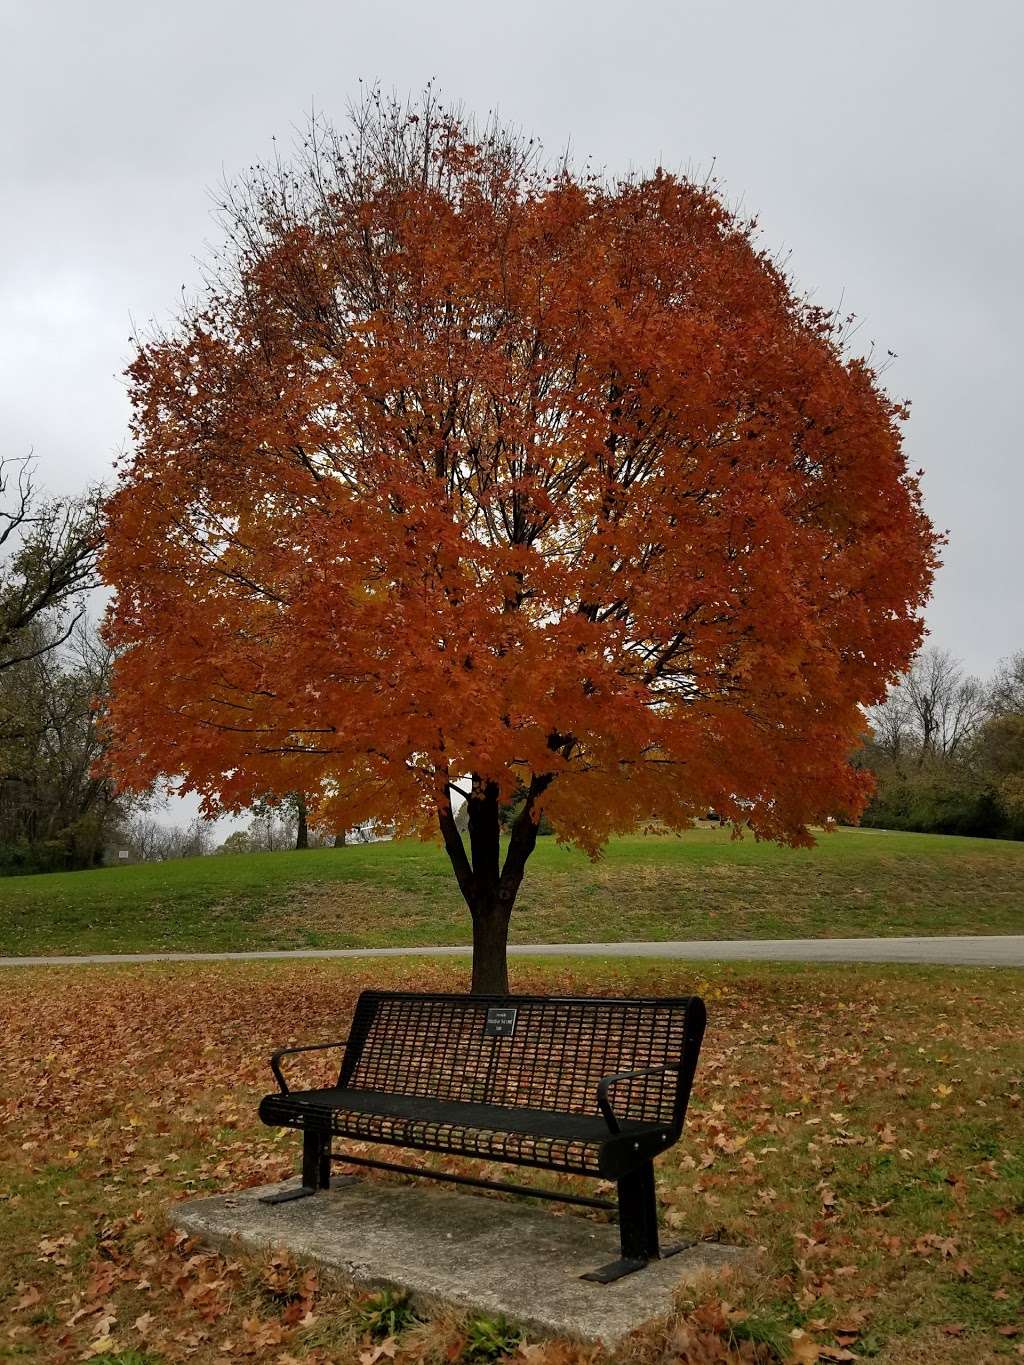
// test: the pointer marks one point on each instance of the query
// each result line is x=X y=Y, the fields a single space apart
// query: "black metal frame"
x=316 y=1142
x=449 y=1177
x=632 y=1146
x=275 y=1061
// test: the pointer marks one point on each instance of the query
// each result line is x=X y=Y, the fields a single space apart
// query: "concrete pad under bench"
x=473 y=1253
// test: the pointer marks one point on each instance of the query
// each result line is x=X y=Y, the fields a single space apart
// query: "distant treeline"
x=947 y=751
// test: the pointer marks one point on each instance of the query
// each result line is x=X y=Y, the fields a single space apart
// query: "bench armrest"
x=275 y=1061
x=606 y=1082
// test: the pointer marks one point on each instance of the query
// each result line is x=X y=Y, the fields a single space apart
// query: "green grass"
x=700 y=885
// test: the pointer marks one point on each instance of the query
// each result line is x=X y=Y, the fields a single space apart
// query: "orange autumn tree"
x=466 y=476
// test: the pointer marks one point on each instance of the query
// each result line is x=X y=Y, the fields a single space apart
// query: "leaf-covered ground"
x=701 y=885
x=860 y=1128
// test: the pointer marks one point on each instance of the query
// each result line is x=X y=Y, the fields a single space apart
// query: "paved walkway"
x=981 y=950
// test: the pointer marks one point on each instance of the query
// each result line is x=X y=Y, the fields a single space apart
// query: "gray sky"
x=878 y=142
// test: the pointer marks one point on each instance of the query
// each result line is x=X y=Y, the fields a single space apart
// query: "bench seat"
x=523 y=1137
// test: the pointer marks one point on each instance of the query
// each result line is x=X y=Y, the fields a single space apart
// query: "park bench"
x=589 y=1087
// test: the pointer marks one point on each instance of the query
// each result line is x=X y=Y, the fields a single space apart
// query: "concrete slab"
x=473 y=1253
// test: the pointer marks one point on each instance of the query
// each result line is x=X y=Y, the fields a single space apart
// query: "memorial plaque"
x=501 y=1022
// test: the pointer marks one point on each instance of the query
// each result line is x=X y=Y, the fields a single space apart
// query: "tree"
x=947 y=751
x=999 y=751
x=932 y=713
x=238 y=841
x=53 y=812
x=893 y=735
x=947 y=705
x=1006 y=694
x=194 y=840
x=999 y=754
x=145 y=837
x=467 y=475
x=47 y=563
x=282 y=818
x=301 y=820
x=58 y=804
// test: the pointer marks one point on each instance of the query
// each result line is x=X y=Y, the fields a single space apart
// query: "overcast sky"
x=880 y=143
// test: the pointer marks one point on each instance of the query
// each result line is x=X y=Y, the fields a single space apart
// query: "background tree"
x=58 y=804
x=933 y=713
x=1006 y=694
x=151 y=840
x=238 y=841
x=145 y=837
x=999 y=748
x=272 y=829
x=999 y=755
x=53 y=812
x=947 y=750
x=47 y=563
x=193 y=840
x=467 y=474
x=285 y=817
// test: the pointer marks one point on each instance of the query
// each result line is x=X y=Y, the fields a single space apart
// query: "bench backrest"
x=525 y=1051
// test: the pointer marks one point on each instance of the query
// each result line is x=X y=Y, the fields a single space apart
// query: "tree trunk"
x=490 y=952
x=488 y=887
x=302 y=831
x=340 y=839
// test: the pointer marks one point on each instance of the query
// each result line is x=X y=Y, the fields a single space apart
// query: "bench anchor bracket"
x=316 y=1169
x=286 y=1196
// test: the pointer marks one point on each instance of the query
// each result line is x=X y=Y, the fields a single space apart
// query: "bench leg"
x=638 y=1228
x=316 y=1168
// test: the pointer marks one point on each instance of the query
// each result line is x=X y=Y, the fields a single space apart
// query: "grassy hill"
x=700 y=885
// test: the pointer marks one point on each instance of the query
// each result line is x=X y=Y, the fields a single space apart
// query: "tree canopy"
x=465 y=471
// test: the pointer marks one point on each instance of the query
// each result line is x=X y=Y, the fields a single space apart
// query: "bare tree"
x=891 y=726
x=932 y=713
x=145 y=837
x=273 y=829
x=48 y=552
x=1006 y=695
x=948 y=705
x=194 y=840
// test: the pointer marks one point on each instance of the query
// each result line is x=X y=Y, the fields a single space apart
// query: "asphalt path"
x=978 y=950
